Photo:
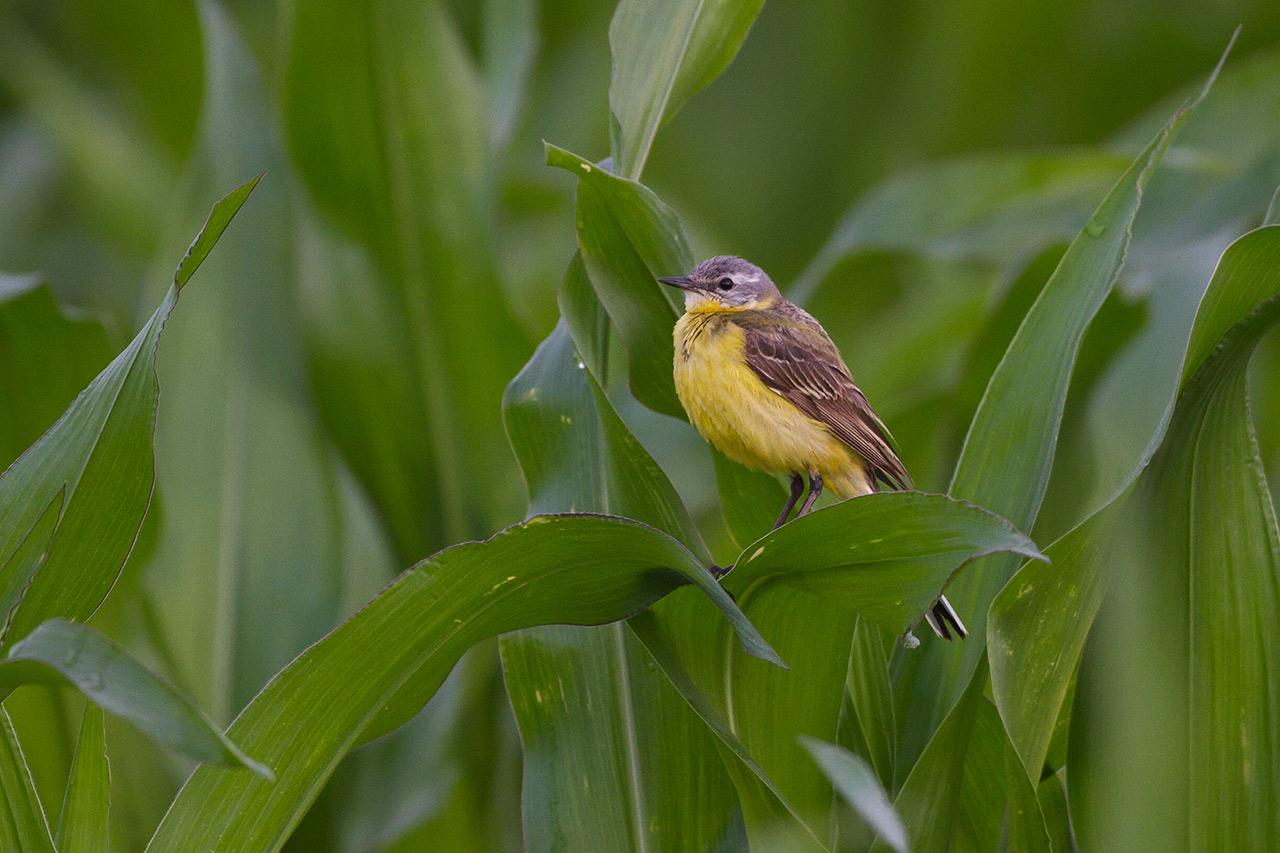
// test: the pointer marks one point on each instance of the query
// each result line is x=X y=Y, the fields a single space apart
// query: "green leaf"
x=1190 y=217
x=384 y=120
x=121 y=175
x=83 y=826
x=22 y=821
x=627 y=238
x=883 y=557
x=589 y=701
x=871 y=694
x=961 y=793
x=1040 y=621
x=1052 y=794
x=1188 y=629
x=26 y=560
x=49 y=355
x=510 y=43
x=857 y=784
x=64 y=653
x=1008 y=452
x=1198 y=534
x=576 y=452
x=247 y=568
x=591 y=705
x=996 y=208
x=99 y=454
x=377 y=669
x=665 y=51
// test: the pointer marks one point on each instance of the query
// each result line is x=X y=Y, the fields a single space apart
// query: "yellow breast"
x=747 y=421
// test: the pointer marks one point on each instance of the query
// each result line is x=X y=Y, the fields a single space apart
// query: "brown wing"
x=797 y=360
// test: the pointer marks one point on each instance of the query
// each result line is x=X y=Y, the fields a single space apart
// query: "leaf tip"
x=554 y=155
x=758 y=647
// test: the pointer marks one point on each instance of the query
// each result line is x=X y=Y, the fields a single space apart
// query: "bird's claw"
x=718 y=572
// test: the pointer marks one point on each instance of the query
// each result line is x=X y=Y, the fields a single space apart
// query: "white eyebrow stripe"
x=748 y=279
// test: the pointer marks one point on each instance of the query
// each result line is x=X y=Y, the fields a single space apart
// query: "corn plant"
x=200 y=523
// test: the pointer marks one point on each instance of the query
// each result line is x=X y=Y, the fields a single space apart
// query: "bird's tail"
x=944 y=621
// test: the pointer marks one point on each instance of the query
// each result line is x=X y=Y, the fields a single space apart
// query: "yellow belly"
x=751 y=424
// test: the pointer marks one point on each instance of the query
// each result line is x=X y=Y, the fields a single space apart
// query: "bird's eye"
x=725 y=283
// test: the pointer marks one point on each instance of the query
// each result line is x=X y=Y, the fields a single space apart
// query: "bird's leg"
x=797 y=486
x=815 y=489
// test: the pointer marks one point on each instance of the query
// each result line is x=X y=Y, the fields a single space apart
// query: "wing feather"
x=796 y=359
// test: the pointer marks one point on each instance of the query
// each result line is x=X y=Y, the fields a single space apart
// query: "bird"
x=762 y=381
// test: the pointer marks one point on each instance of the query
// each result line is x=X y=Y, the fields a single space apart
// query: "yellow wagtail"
x=762 y=381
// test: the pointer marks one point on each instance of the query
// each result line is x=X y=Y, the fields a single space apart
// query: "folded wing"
x=797 y=360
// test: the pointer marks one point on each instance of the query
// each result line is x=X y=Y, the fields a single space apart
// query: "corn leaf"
x=870 y=689
x=857 y=784
x=99 y=456
x=988 y=208
x=664 y=51
x=1204 y=479
x=627 y=238
x=384 y=95
x=48 y=357
x=82 y=826
x=64 y=653
x=22 y=821
x=510 y=45
x=1191 y=215
x=376 y=670
x=247 y=568
x=589 y=701
x=1188 y=630
x=1008 y=453
x=960 y=793
x=882 y=557
x=1041 y=619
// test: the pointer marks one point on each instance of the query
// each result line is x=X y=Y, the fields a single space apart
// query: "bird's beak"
x=681 y=281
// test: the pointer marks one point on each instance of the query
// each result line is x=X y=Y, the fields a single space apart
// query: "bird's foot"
x=718 y=572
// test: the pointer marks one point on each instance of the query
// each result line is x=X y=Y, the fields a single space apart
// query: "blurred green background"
x=297 y=470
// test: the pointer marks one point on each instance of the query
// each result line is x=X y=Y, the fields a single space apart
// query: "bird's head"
x=725 y=283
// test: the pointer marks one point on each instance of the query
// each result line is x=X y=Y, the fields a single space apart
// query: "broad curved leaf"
x=1190 y=631
x=883 y=557
x=377 y=669
x=1189 y=218
x=627 y=238
x=589 y=701
x=1008 y=453
x=100 y=453
x=1040 y=621
x=64 y=653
